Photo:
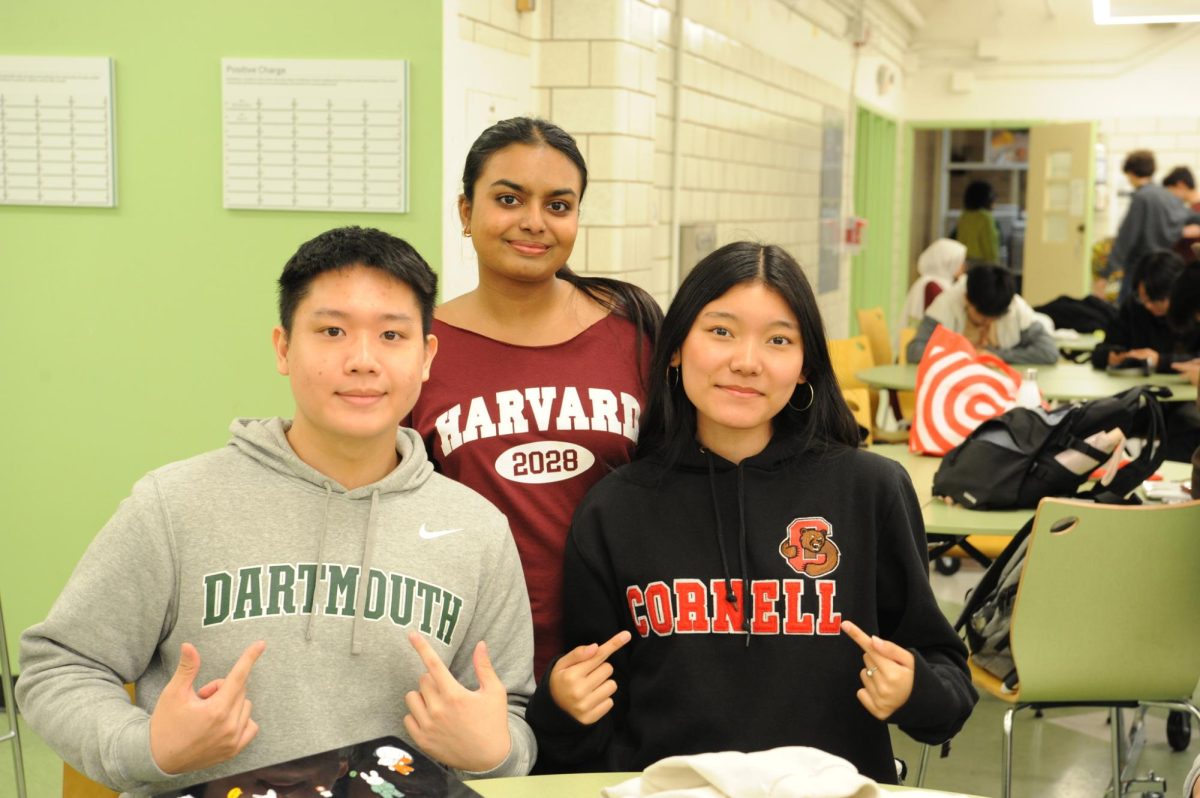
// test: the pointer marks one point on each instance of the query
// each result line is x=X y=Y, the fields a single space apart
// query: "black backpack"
x=1084 y=315
x=1009 y=461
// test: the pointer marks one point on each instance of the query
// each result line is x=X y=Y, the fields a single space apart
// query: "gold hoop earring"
x=673 y=376
x=812 y=394
x=467 y=232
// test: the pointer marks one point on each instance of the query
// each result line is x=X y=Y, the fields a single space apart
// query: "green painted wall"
x=874 y=200
x=133 y=335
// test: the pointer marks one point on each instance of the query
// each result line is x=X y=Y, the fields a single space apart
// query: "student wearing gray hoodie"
x=310 y=585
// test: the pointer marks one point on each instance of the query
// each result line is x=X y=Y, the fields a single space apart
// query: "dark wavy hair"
x=669 y=421
x=617 y=296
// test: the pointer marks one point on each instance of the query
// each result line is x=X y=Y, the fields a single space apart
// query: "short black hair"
x=346 y=247
x=1139 y=163
x=1180 y=174
x=1157 y=271
x=979 y=196
x=1185 y=299
x=990 y=288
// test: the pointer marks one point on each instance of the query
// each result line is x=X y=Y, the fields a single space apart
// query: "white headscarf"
x=939 y=263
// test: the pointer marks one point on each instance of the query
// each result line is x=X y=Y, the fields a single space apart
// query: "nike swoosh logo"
x=429 y=534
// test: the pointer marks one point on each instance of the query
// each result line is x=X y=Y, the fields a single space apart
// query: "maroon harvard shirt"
x=532 y=428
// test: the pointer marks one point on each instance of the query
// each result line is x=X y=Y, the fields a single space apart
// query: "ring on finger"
x=871 y=671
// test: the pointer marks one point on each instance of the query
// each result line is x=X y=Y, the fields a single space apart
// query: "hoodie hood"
x=265 y=441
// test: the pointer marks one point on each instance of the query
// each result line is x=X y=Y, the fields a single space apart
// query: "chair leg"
x=923 y=765
x=1117 y=731
x=1006 y=755
x=13 y=735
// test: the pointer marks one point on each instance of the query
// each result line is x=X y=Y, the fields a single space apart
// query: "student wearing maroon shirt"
x=538 y=388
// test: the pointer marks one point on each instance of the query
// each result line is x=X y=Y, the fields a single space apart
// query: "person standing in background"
x=539 y=384
x=977 y=227
x=1182 y=183
x=1156 y=220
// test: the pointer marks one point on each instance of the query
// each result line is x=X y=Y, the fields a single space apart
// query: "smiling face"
x=740 y=363
x=356 y=357
x=524 y=215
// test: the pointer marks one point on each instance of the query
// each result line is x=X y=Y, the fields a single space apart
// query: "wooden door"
x=1059 y=208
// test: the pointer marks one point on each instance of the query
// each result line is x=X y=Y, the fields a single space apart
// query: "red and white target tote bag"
x=957 y=390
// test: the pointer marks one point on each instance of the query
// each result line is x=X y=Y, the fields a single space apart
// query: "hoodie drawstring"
x=308 y=631
x=360 y=597
x=743 y=557
x=741 y=496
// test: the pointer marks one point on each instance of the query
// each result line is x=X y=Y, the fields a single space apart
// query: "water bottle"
x=1029 y=395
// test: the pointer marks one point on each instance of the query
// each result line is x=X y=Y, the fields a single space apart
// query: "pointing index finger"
x=861 y=638
x=239 y=674
x=612 y=645
x=433 y=663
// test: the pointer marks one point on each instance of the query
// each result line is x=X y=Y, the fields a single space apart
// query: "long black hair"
x=616 y=296
x=669 y=423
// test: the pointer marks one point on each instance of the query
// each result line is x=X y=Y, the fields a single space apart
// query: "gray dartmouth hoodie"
x=249 y=543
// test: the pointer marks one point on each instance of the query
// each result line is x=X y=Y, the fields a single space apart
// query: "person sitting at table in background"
x=1141 y=331
x=752 y=579
x=1182 y=183
x=939 y=266
x=1184 y=316
x=977 y=227
x=985 y=307
x=302 y=533
x=1156 y=220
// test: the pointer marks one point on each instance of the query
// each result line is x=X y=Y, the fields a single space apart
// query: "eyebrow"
x=720 y=314
x=341 y=315
x=558 y=192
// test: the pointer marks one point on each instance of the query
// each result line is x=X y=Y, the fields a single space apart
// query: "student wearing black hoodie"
x=749 y=507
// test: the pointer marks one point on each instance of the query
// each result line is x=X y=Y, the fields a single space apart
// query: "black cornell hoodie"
x=810 y=538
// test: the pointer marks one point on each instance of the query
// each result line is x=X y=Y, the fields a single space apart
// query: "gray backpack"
x=987 y=614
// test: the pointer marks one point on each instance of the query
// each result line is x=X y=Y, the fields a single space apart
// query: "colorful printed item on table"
x=957 y=390
x=386 y=767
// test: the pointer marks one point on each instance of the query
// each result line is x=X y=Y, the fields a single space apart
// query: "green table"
x=1060 y=382
x=949 y=525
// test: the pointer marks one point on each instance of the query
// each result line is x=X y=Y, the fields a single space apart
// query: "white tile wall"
x=755 y=79
x=1175 y=141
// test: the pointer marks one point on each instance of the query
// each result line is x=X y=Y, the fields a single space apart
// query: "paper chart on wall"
x=315 y=135
x=56 y=131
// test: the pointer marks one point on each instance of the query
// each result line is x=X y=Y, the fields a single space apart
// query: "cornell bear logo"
x=808 y=547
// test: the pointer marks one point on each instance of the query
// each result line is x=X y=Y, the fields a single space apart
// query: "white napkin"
x=791 y=772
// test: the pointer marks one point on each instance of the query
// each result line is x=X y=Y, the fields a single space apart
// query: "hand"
x=464 y=729
x=190 y=729
x=581 y=681
x=1190 y=231
x=1190 y=369
x=1146 y=354
x=887 y=675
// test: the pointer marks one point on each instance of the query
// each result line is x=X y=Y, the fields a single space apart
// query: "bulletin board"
x=315 y=135
x=56 y=131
